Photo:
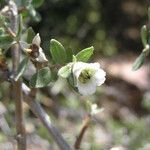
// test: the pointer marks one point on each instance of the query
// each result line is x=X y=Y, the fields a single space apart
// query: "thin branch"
x=9 y=31
x=45 y=119
x=82 y=132
x=17 y=88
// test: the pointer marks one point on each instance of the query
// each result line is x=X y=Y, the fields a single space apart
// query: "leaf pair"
x=61 y=56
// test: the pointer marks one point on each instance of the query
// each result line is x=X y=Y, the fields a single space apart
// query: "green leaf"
x=138 y=62
x=65 y=71
x=5 y=41
x=85 y=54
x=58 y=52
x=41 y=79
x=144 y=35
x=30 y=35
x=22 y=67
x=37 y=3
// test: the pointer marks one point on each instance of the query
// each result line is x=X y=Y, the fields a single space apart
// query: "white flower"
x=88 y=76
x=41 y=56
x=37 y=40
x=34 y=50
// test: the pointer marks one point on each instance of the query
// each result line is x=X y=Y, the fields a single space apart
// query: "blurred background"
x=113 y=28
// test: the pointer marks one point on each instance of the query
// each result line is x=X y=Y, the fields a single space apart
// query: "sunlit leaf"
x=58 y=52
x=85 y=54
x=65 y=71
x=41 y=79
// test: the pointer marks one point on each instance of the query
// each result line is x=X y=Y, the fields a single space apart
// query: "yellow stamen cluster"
x=85 y=75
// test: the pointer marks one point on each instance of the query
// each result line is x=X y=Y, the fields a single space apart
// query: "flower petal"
x=86 y=89
x=95 y=79
x=77 y=68
x=94 y=66
x=99 y=76
x=37 y=40
x=41 y=57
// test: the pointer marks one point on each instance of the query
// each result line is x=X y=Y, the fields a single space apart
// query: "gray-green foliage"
x=41 y=78
x=58 y=52
x=33 y=52
x=145 y=38
x=85 y=54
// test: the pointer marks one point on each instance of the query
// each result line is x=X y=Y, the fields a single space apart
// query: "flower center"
x=86 y=75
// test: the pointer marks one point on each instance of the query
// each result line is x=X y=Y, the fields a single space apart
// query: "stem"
x=21 y=134
x=17 y=90
x=10 y=32
x=45 y=119
x=82 y=132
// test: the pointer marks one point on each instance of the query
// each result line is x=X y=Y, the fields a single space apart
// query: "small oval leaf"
x=58 y=52
x=22 y=67
x=138 y=62
x=144 y=35
x=41 y=79
x=65 y=71
x=85 y=54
